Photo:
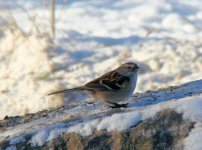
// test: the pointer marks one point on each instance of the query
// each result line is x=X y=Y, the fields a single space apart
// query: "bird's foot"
x=116 y=105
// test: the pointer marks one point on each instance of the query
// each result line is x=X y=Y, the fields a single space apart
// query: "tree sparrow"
x=112 y=87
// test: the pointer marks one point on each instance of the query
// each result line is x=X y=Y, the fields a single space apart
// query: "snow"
x=119 y=122
x=190 y=108
x=86 y=128
x=40 y=137
x=193 y=141
x=175 y=21
x=11 y=148
x=93 y=37
x=111 y=123
x=17 y=140
x=185 y=99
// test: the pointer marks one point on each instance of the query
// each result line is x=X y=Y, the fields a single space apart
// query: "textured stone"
x=164 y=131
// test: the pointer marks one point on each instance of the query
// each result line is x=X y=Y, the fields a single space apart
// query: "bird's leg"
x=116 y=105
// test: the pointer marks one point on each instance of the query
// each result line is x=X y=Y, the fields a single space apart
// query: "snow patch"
x=193 y=141
x=175 y=21
x=190 y=107
x=40 y=138
x=11 y=148
x=119 y=122
x=17 y=140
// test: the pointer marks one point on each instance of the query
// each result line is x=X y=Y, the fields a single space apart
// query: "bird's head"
x=129 y=67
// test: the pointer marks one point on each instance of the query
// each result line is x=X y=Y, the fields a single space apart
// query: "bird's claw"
x=115 y=105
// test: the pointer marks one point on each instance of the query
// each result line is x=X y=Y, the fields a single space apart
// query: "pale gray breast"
x=132 y=86
x=126 y=92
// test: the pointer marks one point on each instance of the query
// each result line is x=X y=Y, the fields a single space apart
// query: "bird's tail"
x=68 y=90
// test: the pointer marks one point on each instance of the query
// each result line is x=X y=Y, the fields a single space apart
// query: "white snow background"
x=92 y=37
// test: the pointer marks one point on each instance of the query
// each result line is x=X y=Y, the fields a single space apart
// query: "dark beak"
x=137 y=68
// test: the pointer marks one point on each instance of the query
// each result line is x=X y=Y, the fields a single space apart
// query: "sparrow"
x=113 y=87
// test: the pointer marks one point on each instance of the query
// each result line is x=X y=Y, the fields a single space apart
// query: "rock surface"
x=167 y=129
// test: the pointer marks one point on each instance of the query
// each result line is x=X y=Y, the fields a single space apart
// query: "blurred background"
x=48 y=45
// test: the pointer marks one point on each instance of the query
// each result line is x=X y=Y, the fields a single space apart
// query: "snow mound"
x=23 y=71
x=177 y=22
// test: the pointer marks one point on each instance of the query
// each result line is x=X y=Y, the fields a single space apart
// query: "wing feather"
x=111 y=81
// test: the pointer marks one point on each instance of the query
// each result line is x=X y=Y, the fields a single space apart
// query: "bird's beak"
x=138 y=68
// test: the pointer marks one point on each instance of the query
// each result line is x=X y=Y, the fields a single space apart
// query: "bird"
x=112 y=87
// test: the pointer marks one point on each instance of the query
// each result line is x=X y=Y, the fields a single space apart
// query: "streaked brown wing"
x=111 y=81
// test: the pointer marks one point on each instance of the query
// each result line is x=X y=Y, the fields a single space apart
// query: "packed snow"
x=17 y=140
x=193 y=140
x=189 y=107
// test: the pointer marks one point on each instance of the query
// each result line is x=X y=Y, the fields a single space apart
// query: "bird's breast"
x=133 y=83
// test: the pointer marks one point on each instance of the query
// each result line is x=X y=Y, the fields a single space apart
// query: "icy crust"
x=86 y=119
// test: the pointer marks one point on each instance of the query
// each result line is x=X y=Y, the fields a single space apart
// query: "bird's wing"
x=112 y=81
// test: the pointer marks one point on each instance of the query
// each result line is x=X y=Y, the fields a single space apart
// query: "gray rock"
x=165 y=131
